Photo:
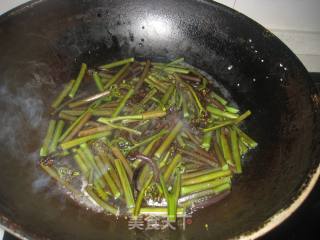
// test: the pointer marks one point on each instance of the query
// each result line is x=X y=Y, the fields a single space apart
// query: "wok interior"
x=42 y=47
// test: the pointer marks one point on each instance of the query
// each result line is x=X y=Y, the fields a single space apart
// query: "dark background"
x=303 y=224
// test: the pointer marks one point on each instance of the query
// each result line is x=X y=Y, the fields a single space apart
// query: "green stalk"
x=85 y=118
x=117 y=63
x=107 y=161
x=143 y=76
x=197 y=173
x=206 y=140
x=169 y=139
x=117 y=76
x=101 y=203
x=188 y=189
x=151 y=140
x=220 y=113
x=56 y=136
x=177 y=70
x=88 y=159
x=158 y=82
x=136 y=132
x=98 y=186
x=161 y=106
x=235 y=150
x=228 y=122
x=78 y=81
x=78 y=141
x=172 y=166
x=155 y=85
x=223 y=164
x=72 y=126
x=218 y=98
x=91 y=131
x=144 y=188
x=149 y=95
x=123 y=103
x=88 y=99
x=98 y=81
x=118 y=154
x=185 y=108
x=243 y=148
x=83 y=167
x=197 y=157
x=142 y=116
x=187 y=199
x=245 y=138
x=63 y=94
x=194 y=95
x=46 y=142
x=180 y=141
x=95 y=112
x=167 y=95
x=163 y=161
x=67 y=117
x=105 y=173
x=126 y=186
x=226 y=148
x=232 y=109
x=173 y=197
x=207 y=177
x=218 y=193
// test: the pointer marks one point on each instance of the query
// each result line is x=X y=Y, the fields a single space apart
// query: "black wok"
x=42 y=44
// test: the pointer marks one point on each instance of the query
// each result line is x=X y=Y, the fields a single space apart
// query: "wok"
x=42 y=44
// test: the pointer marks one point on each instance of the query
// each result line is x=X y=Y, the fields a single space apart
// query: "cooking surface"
x=303 y=224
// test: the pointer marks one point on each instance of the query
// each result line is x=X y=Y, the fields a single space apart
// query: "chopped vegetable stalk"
x=218 y=112
x=125 y=183
x=118 y=63
x=111 y=184
x=45 y=146
x=235 y=150
x=123 y=102
x=207 y=177
x=88 y=99
x=78 y=141
x=102 y=203
x=169 y=139
x=141 y=196
x=117 y=76
x=78 y=81
x=83 y=167
x=206 y=141
x=246 y=139
x=188 y=189
x=84 y=118
x=56 y=103
x=143 y=116
x=223 y=164
x=117 y=153
x=226 y=148
x=98 y=81
x=170 y=169
x=56 y=136
x=218 y=98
